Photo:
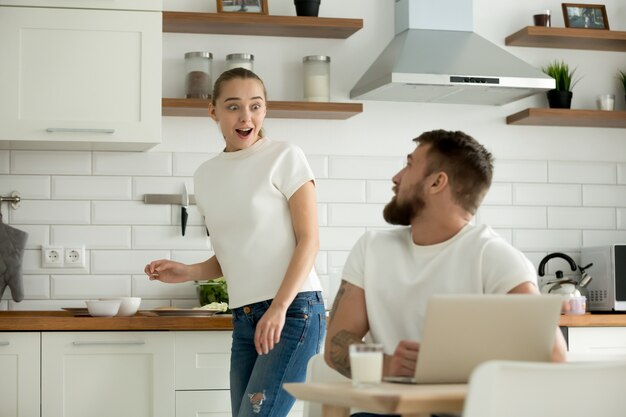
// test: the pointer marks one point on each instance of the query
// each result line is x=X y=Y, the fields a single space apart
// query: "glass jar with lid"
x=316 y=71
x=198 y=82
x=239 y=60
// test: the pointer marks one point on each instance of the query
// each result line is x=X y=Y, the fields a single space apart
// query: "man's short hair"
x=467 y=163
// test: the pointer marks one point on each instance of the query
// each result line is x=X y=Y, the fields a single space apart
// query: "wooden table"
x=408 y=400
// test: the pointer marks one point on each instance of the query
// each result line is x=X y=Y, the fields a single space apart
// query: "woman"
x=258 y=200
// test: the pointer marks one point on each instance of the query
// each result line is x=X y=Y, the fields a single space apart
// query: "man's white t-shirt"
x=244 y=197
x=399 y=276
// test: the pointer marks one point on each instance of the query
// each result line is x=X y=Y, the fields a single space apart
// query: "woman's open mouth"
x=244 y=133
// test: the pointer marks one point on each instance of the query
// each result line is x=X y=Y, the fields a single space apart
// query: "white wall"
x=555 y=188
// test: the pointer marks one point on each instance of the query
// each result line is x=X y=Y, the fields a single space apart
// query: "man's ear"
x=212 y=112
x=438 y=182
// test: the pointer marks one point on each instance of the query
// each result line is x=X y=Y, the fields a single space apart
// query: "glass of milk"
x=366 y=363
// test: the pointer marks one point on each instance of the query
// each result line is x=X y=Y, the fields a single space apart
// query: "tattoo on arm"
x=339 y=352
x=340 y=293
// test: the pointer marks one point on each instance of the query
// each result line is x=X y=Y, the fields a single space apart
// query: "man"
x=390 y=274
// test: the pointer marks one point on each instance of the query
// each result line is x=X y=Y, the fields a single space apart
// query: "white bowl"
x=103 y=308
x=128 y=305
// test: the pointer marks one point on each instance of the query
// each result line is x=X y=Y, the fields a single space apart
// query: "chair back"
x=318 y=371
x=543 y=389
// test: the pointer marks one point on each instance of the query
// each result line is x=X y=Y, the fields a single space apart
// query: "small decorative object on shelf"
x=242 y=6
x=561 y=96
x=606 y=102
x=542 y=18
x=622 y=79
x=316 y=70
x=307 y=7
x=198 y=82
x=588 y=16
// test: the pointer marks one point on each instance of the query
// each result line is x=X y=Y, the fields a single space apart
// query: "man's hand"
x=404 y=359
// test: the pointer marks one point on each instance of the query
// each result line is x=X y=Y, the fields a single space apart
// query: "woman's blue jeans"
x=256 y=382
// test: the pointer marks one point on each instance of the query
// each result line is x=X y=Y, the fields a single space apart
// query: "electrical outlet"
x=52 y=257
x=74 y=257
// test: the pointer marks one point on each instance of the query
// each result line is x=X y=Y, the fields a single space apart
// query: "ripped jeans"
x=256 y=382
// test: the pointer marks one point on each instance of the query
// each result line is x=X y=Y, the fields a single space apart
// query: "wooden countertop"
x=593 y=320
x=65 y=321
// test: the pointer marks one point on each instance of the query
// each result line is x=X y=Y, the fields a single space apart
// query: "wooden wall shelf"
x=568 y=117
x=261 y=25
x=568 y=38
x=276 y=109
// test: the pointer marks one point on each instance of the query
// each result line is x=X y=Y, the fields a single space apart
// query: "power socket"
x=52 y=257
x=74 y=257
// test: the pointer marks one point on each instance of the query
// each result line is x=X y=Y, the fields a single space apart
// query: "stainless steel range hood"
x=436 y=57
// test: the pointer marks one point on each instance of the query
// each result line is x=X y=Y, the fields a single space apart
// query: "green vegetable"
x=214 y=291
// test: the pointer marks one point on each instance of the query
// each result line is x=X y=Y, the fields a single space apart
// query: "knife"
x=183 y=210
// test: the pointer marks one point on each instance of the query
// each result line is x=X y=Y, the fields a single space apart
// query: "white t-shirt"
x=244 y=197
x=398 y=276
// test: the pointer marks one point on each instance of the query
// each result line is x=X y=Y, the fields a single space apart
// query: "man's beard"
x=402 y=213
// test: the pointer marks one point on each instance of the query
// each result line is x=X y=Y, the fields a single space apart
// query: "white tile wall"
x=379 y=191
x=83 y=287
x=341 y=191
x=356 y=215
x=51 y=163
x=581 y=172
x=604 y=195
x=581 y=218
x=29 y=186
x=132 y=163
x=507 y=216
x=547 y=194
x=621 y=174
x=93 y=237
x=4 y=162
x=130 y=212
x=91 y=188
x=52 y=212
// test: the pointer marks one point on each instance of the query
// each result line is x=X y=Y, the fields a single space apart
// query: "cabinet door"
x=104 y=374
x=596 y=343
x=80 y=79
x=203 y=360
x=19 y=371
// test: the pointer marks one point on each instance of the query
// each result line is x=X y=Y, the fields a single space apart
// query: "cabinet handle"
x=3 y=343
x=108 y=343
x=71 y=129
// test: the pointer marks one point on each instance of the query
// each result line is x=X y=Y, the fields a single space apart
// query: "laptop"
x=462 y=331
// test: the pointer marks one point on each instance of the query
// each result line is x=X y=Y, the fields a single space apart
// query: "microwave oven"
x=607 y=289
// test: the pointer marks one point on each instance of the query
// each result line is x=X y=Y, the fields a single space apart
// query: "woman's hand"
x=167 y=271
x=268 y=329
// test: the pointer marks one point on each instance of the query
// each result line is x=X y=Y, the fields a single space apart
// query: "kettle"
x=563 y=285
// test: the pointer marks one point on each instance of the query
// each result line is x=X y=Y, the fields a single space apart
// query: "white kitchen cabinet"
x=19 y=374
x=596 y=343
x=80 y=78
x=104 y=374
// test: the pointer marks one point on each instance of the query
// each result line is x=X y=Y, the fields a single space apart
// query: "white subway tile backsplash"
x=547 y=240
x=132 y=163
x=375 y=168
x=4 y=162
x=337 y=259
x=4 y=305
x=36 y=287
x=339 y=238
x=319 y=165
x=498 y=194
x=52 y=212
x=83 y=287
x=169 y=237
x=322 y=214
x=124 y=261
x=185 y=164
x=603 y=237
x=513 y=217
x=91 y=188
x=92 y=237
x=379 y=191
x=37 y=235
x=356 y=215
x=520 y=171
x=621 y=218
x=160 y=185
x=581 y=218
x=321 y=263
x=604 y=195
x=340 y=191
x=581 y=172
x=621 y=174
x=506 y=234
x=51 y=162
x=547 y=194
x=31 y=187
x=191 y=256
x=45 y=305
x=130 y=212
x=31 y=264
x=143 y=287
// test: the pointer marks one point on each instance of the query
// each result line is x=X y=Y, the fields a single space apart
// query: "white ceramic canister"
x=239 y=60
x=316 y=77
x=198 y=82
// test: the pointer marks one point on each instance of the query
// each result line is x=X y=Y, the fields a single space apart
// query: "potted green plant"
x=561 y=96
x=622 y=78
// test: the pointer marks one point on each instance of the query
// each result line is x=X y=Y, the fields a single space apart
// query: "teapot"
x=563 y=285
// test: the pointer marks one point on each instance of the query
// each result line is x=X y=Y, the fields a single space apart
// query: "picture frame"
x=242 y=6
x=585 y=16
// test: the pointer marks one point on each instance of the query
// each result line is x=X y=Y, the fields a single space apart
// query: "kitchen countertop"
x=65 y=321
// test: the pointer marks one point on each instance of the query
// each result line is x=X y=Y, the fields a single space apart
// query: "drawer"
x=213 y=404
x=154 y=5
x=203 y=360
x=597 y=343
